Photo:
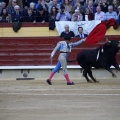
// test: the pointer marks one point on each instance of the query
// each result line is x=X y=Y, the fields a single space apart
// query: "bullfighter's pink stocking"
x=51 y=75
x=67 y=78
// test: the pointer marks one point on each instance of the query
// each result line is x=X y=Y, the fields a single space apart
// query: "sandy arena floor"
x=36 y=100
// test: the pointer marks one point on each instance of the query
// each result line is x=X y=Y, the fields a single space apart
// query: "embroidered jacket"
x=64 y=47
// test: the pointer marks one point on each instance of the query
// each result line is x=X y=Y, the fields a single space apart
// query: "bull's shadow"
x=101 y=57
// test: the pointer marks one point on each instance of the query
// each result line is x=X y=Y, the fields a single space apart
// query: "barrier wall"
x=33 y=44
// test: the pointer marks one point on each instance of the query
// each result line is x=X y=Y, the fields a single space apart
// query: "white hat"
x=118 y=7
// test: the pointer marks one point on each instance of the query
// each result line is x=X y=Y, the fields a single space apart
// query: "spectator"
x=115 y=5
x=118 y=13
x=63 y=15
x=79 y=7
x=86 y=3
x=4 y=17
x=10 y=8
x=99 y=15
x=81 y=34
x=104 y=6
x=67 y=6
x=38 y=4
x=112 y=14
x=91 y=7
x=88 y=15
x=54 y=3
x=0 y=7
x=61 y=2
x=48 y=3
x=67 y=32
x=42 y=15
x=77 y=16
x=30 y=16
x=30 y=1
x=44 y=5
x=19 y=3
x=3 y=4
x=32 y=7
x=97 y=2
x=73 y=2
x=52 y=18
x=16 y=2
x=53 y=13
x=17 y=15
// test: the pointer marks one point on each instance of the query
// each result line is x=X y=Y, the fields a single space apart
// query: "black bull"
x=101 y=57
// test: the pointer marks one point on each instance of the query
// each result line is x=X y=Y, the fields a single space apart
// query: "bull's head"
x=114 y=44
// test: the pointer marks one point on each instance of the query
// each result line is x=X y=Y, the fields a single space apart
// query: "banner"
x=87 y=26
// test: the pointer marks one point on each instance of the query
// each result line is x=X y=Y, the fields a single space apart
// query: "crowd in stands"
x=58 y=10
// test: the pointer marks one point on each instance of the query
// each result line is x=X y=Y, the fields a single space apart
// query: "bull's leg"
x=109 y=69
x=113 y=75
x=91 y=75
x=85 y=75
x=116 y=66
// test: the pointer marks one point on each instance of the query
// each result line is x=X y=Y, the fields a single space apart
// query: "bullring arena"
x=35 y=100
x=25 y=95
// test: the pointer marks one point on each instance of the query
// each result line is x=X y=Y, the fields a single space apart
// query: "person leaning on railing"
x=52 y=17
x=29 y=16
x=42 y=15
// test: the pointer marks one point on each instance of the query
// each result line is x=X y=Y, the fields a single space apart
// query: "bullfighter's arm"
x=77 y=43
x=55 y=49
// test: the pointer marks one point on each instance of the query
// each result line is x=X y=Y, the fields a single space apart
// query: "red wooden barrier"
x=36 y=51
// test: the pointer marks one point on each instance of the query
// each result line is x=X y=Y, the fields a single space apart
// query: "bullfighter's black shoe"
x=70 y=83
x=49 y=82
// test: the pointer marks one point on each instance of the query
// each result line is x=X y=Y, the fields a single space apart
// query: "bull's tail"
x=71 y=60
